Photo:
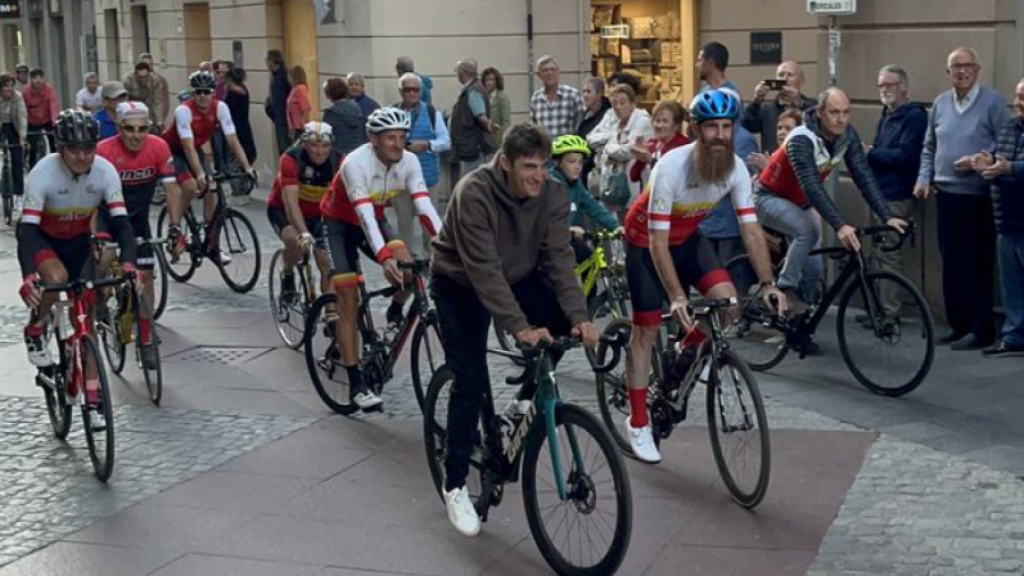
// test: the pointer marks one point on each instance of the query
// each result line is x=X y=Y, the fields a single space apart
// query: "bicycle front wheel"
x=160 y=282
x=427 y=356
x=323 y=357
x=889 y=352
x=153 y=373
x=237 y=240
x=588 y=531
x=111 y=330
x=57 y=400
x=738 y=426
x=98 y=414
x=612 y=392
x=289 y=317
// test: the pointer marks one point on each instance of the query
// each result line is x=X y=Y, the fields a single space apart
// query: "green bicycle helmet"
x=569 y=143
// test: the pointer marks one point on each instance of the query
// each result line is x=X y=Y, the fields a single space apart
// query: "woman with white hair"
x=357 y=92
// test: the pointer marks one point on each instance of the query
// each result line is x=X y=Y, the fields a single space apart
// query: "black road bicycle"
x=381 y=346
x=889 y=353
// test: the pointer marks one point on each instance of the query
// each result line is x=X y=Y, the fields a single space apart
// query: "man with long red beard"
x=666 y=253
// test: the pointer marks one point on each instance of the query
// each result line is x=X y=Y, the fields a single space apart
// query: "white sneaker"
x=367 y=400
x=461 y=513
x=38 y=351
x=517 y=407
x=642 y=442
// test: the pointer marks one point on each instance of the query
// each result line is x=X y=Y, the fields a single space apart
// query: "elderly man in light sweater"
x=963 y=121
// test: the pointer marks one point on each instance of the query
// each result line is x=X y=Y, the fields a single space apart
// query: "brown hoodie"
x=491 y=240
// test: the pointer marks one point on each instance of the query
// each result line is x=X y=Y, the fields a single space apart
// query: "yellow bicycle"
x=605 y=266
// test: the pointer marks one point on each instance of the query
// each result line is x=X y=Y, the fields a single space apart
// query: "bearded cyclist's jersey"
x=296 y=169
x=363 y=188
x=199 y=125
x=139 y=171
x=62 y=204
x=677 y=199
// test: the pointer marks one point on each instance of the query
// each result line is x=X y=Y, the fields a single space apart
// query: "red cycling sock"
x=146 y=331
x=638 y=407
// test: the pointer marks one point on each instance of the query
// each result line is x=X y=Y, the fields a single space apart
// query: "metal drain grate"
x=222 y=355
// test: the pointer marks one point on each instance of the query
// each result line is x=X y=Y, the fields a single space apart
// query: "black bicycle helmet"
x=76 y=128
x=202 y=80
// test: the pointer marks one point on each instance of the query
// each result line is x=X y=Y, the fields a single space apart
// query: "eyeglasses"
x=410 y=89
x=202 y=92
x=80 y=150
x=134 y=129
x=962 y=67
x=888 y=85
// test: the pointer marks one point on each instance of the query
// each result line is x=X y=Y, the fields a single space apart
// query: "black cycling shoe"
x=288 y=294
x=395 y=313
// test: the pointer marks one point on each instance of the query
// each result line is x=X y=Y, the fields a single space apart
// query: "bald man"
x=761 y=116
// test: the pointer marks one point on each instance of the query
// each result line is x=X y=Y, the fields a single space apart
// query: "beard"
x=715 y=159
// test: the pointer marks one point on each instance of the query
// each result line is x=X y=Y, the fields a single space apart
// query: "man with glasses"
x=54 y=237
x=194 y=124
x=963 y=121
x=895 y=158
x=140 y=160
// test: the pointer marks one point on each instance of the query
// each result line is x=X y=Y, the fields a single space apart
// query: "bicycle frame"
x=392 y=349
x=590 y=269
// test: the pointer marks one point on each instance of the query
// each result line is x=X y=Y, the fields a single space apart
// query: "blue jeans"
x=801 y=270
x=1011 y=262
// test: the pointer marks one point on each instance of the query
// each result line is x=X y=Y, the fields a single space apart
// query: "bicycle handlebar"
x=76 y=285
x=705 y=307
x=416 y=266
x=566 y=343
x=884 y=231
x=603 y=235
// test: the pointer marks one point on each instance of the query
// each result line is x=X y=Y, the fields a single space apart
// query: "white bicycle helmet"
x=383 y=119
x=130 y=110
x=317 y=131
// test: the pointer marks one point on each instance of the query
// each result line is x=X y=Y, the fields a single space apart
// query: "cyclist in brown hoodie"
x=503 y=251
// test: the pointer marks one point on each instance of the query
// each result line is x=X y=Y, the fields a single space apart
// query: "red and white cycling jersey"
x=62 y=204
x=139 y=171
x=677 y=199
x=365 y=186
x=191 y=122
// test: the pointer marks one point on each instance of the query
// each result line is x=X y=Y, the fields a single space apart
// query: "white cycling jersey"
x=62 y=204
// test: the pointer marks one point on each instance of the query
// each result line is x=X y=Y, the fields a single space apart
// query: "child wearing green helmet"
x=567 y=155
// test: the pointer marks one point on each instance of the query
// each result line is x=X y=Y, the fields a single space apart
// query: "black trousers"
x=464 y=323
x=17 y=154
x=967 y=240
x=282 y=136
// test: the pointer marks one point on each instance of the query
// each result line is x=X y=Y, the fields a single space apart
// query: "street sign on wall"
x=832 y=7
x=10 y=9
x=766 y=47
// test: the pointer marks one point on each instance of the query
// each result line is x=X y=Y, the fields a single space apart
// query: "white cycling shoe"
x=641 y=440
x=461 y=512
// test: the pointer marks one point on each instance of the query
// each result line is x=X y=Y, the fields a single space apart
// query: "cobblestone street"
x=243 y=470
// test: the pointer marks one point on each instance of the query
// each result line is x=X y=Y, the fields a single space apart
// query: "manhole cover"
x=223 y=355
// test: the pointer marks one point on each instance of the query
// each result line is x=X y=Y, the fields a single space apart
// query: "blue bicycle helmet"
x=715 y=105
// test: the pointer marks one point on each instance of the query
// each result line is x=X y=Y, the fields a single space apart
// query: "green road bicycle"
x=575 y=487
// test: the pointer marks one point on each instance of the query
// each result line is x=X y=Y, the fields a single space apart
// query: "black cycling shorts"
x=145 y=259
x=344 y=242
x=279 y=221
x=74 y=253
x=183 y=170
x=696 y=264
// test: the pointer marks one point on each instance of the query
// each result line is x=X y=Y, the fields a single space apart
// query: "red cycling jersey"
x=190 y=122
x=779 y=178
x=312 y=182
x=139 y=171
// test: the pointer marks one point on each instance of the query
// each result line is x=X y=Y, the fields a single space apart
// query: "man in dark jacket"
x=597 y=104
x=761 y=116
x=471 y=119
x=895 y=158
x=277 y=103
x=1005 y=170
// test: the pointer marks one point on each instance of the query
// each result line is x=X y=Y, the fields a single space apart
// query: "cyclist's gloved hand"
x=30 y=291
x=306 y=240
x=134 y=276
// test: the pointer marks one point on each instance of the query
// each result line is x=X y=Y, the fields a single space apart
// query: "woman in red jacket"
x=668 y=123
x=299 y=107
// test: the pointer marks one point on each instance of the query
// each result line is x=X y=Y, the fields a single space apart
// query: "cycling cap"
x=383 y=119
x=715 y=105
x=569 y=143
x=76 y=128
x=130 y=110
x=202 y=80
x=317 y=131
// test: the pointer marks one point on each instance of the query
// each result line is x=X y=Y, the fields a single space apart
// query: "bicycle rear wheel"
x=111 y=330
x=738 y=426
x=754 y=336
x=427 y=355
x=184 y=268
x=323 y=358
x=57 y=405
x=889 y=354
x=588 y=532
x=98 y=417
x=237 y=239
x=612 y=393
x=160 y=282
x=435 y=439
x=154 y=376
x=289 y=318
